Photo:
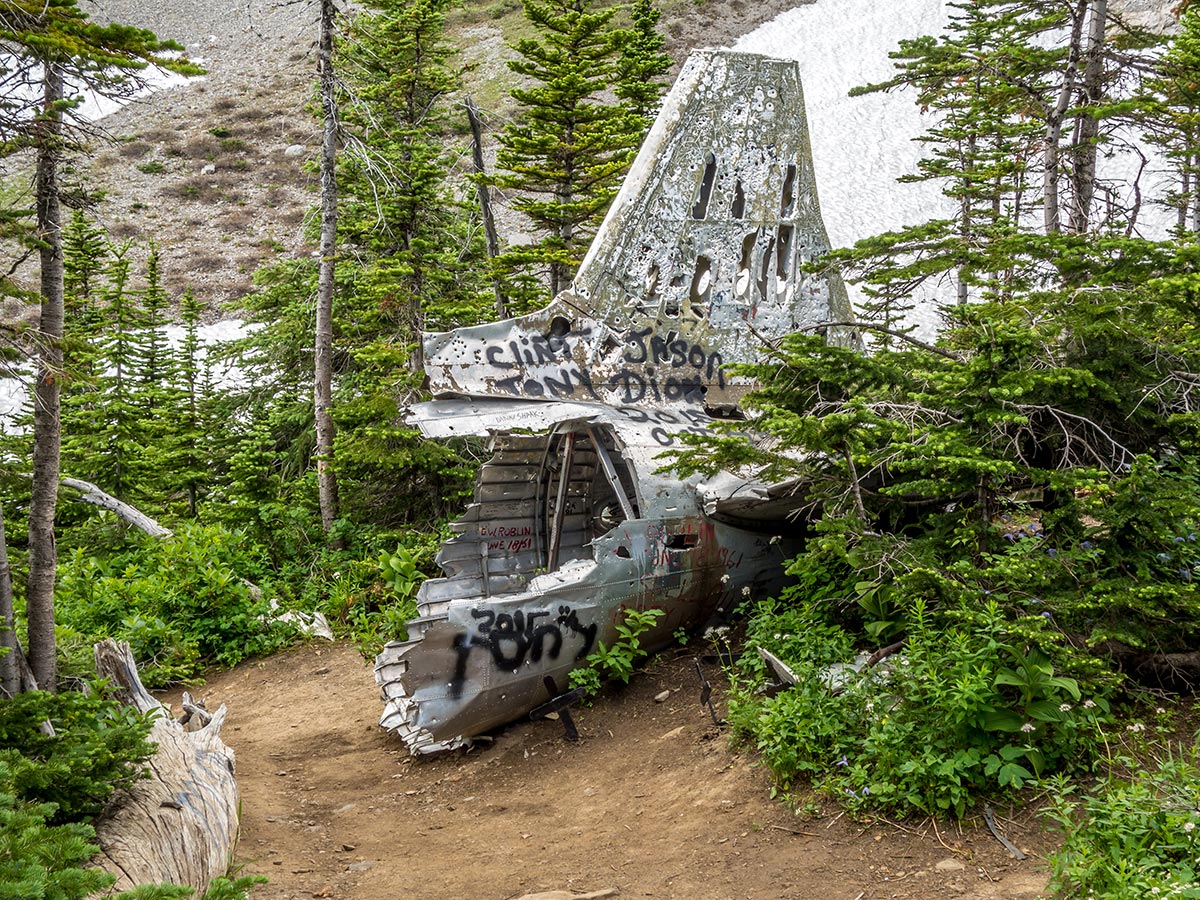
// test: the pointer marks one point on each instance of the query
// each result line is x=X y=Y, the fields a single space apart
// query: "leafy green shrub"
x=153 y=167
x=180 y=602
x=968 y=709
x=98 y=745
x=1134 y=835
x=617 y=661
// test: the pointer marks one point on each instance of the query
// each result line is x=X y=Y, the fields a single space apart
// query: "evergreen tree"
x=53 y=50
x=564 y=159
x=416 y=266
x=1018 y=88
x=641 y=68
x=193 y=391
x=155 y=397
x=1172 y=118
x=323 y=324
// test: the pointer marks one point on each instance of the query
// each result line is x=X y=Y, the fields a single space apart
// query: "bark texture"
x=180 y=825
x=485 y=202
x=323 y=345
x=1087 y=130
x=43 y=553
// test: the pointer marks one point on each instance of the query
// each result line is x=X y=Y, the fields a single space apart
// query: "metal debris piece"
x=706 y=696
x=782 y=670
x=560 y=704
x=576 y=517
x=989 y=819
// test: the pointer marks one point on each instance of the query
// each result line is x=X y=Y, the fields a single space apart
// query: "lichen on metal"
x=573 y=522
x=696 y=264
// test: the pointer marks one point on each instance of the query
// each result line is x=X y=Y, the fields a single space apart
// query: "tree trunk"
x=1083 y=170
x=10 y=678
x=180 y=824
x=485 y=203
x=43 y=554
x=1054 y=123
x=323 y=345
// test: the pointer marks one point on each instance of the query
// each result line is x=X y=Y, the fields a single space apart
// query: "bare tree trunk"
x=485 y=203
x=43 y=554
x=1054 y=123
x=1083 y=170
x=1194 y=162
x=1185 y=192
x=10 y=677
x=323 y=345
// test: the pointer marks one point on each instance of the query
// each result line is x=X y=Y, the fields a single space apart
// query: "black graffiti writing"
x=569 y=619
x=563 y=383
x=520 y=636
x=637 y=387
x=532 y=350
x=559 y=375
x=644 y=346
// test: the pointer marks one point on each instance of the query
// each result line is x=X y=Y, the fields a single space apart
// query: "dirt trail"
x=650 y=801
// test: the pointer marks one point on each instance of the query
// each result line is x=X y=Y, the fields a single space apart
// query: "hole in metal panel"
x=789 y=191
x=701 y=286
x=700 y=210
x=742 y=282
x=682 y=541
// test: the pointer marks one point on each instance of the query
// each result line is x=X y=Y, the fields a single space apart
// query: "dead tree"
x=180 y=824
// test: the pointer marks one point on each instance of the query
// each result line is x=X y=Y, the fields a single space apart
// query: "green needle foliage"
x=565 y=156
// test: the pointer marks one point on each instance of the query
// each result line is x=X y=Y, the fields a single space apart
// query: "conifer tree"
x=54 y=49
x=565 y=157
x=415 y=260
x=193 y=392
x=641 y=68
x=1172 y=118
x=326 y=430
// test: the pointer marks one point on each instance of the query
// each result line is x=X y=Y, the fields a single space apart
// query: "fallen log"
x=89 y=493
x=180 y=824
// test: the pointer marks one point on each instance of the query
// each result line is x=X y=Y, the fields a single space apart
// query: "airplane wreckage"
x=696 y=265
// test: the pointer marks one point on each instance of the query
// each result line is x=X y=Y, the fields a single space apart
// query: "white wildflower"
x=725 y=578
x=775 y=539
x=1189 y=827
x=1160 y=711
x=1089 y=704
x=1064 y=707
x=1136 y=727
x=746 y=591
x=1028 y=727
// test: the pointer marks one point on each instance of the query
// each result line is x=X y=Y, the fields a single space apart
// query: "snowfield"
x=861 y=145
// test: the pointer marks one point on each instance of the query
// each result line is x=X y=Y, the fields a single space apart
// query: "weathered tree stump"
x=180 y=825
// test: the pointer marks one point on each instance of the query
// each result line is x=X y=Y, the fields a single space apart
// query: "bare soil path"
x=651 y=801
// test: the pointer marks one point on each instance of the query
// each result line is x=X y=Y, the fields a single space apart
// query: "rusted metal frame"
x=564 y=482
x=610 y=473
x=483 y=569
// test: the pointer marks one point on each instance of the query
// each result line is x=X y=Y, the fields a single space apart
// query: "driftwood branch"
x=89 y=493
x=884 y=652
x=180 y=824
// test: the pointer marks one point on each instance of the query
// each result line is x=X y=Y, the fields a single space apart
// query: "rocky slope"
x=218 y=172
